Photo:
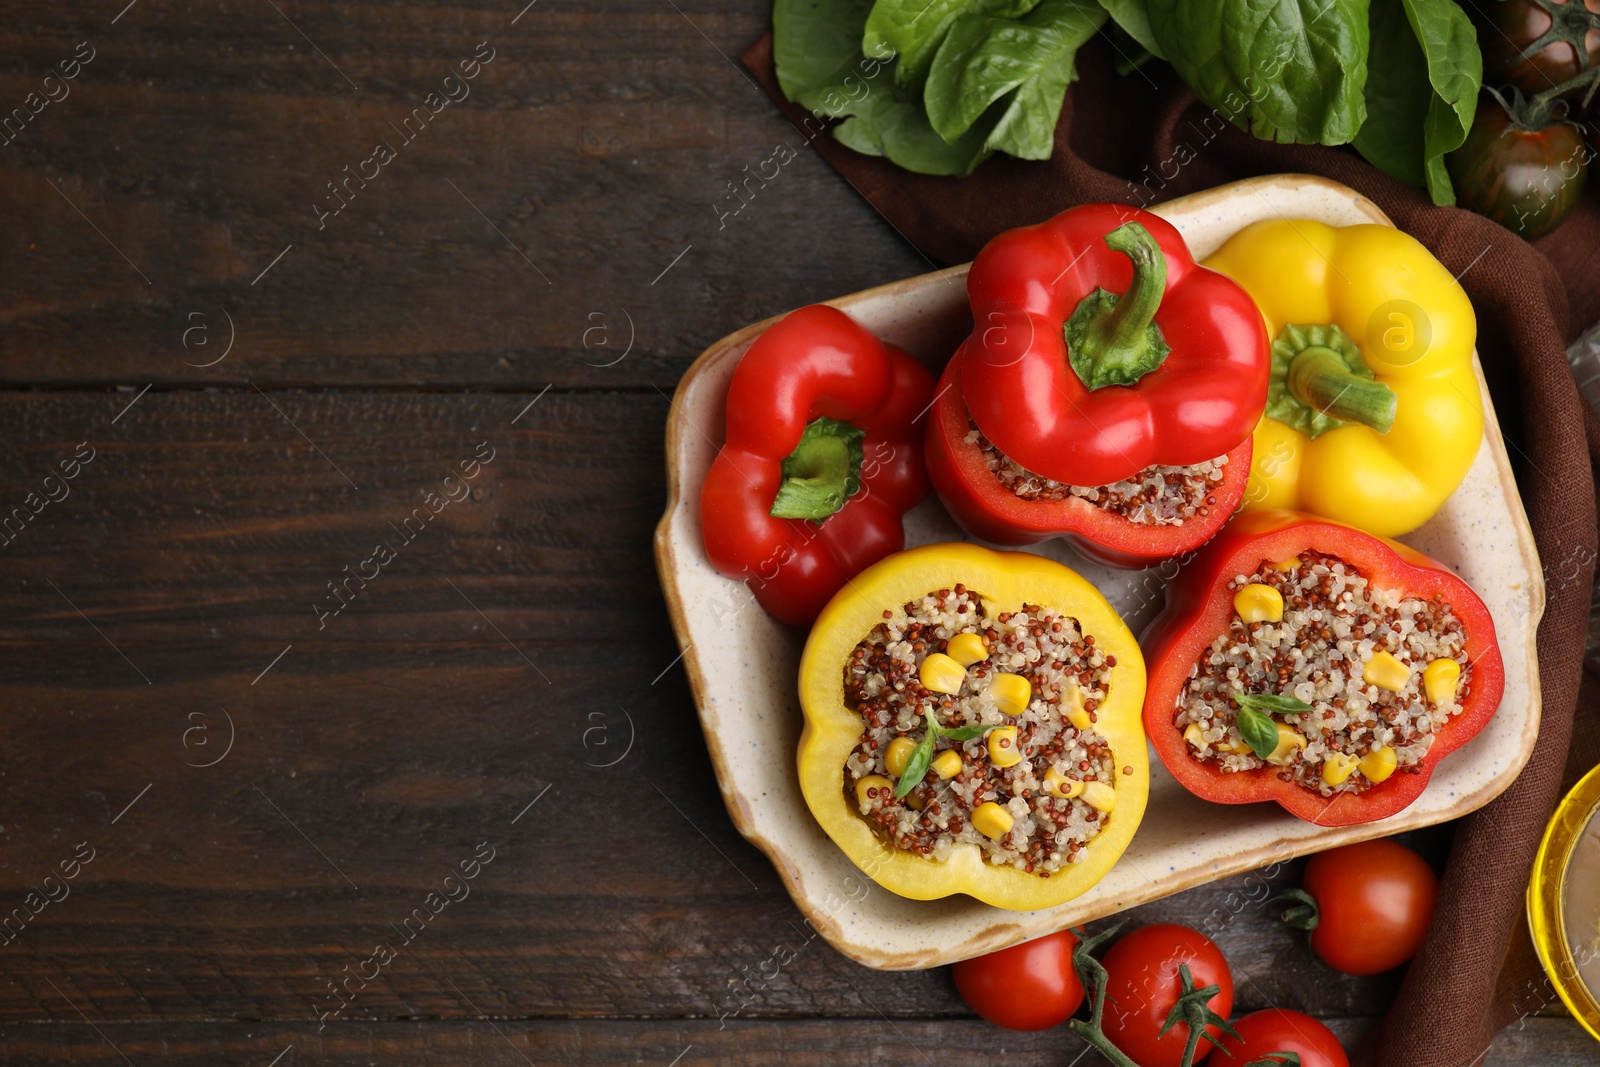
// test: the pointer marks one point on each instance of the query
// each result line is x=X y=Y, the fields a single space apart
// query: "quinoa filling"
x=1355 y=680
x=1156 y=496
x=1032 y=791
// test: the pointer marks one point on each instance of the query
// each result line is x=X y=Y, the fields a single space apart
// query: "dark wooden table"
x=261 y=309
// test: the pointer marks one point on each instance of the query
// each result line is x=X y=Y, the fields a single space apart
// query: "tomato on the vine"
x=1262 y=1033
x=1527 y=176
x=1143 y=982
x=1030 y=986
x=1569 y=30
x=1367 y=905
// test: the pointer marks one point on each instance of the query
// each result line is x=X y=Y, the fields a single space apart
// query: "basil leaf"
x=1258 y=730
x=967 y=733
x=1285 y=70
x=816 y=44
x=911 y=30
x=1423 y=78
x=1273 y=703
x=984 y=57
x=1134 y=18
x=916 y=765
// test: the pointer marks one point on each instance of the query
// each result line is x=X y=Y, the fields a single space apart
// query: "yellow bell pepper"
x=1004 y=581
x=1374 y=413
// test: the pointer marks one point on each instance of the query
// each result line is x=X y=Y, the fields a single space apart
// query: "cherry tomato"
x=1508 y=27
x=1526 y=180
x=1262 y=1033
x=1374 y=901
x=1030 y=986
x=1143 y=983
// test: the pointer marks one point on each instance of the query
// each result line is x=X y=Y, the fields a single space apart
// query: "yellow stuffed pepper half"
x=972 y=725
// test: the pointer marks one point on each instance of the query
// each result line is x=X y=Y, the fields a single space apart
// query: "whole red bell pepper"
x=823 y=456
x=1200 y=607
x=1100 y=349
x=1086 y=386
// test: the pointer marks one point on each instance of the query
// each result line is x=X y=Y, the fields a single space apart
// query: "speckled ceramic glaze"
x=742 y=665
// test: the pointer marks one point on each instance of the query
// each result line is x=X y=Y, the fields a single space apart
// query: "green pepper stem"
x=822 y=472
x=1319 y=379
x=1114 y=340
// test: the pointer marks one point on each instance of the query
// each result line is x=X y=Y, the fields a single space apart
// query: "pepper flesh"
x=984 y=507
x=1005 y=580
x=1027 y=286
x=1199 y=607
x=816 y=362
x=1414 y=328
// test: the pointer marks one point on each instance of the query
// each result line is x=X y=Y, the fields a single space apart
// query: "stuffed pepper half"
x=1107 y=393
x=1302 y=661
x=972 y=726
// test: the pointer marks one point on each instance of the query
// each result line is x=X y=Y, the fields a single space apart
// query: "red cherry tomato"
x=1030 y=986
x=1262 y=1033
x=1374 y=903
x=1143 y=983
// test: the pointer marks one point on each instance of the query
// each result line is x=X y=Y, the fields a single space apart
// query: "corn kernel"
x=967 y=649
x=1379 y=764
x=992 y=821
x=873 y=787
x=1287 y=564
x=1439 y=680
x=1195 y=735
x=1336 y=767
x=1386 y=672
x=946 y=764
x=1003 y=750
x=1077 y=714
x=1059 y=785
x=941 y=674
x=898 y=753
x=1011 y=693
x=917 y=799
x=1099 y=796
x=1232 y=746
x=1290 y=740
x=1259 y=603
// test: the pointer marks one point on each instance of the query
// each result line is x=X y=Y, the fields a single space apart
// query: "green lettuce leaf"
x=816 y=44
x=1422 y=90
x=911 y=30
x=1290 y=71
x=984 y=58
x=1134 y=18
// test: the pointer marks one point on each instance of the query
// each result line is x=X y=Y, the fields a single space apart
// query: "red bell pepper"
x=822 y=458
x=1085 y=386
x=1200 y=606
x=984 y=507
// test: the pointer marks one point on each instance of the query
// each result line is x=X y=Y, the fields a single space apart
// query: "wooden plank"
x=1543 y=1043
x=170 y=594
x=523 y=236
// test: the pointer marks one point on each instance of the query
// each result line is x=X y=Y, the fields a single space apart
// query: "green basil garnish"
x=967 y=733
x=1255 y=722
x=1271 y=702
x=917 y=765
x=922 y=755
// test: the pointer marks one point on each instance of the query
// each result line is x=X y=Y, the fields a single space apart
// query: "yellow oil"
x=1564 y=901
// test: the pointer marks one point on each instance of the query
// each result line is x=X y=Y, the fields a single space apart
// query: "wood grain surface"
x=282 y=681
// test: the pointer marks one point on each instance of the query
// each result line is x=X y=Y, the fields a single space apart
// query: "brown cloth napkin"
x=1144 y=137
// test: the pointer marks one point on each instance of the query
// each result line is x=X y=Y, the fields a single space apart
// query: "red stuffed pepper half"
x=1107 y=393
x=822 y=458
x=1302 y=661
